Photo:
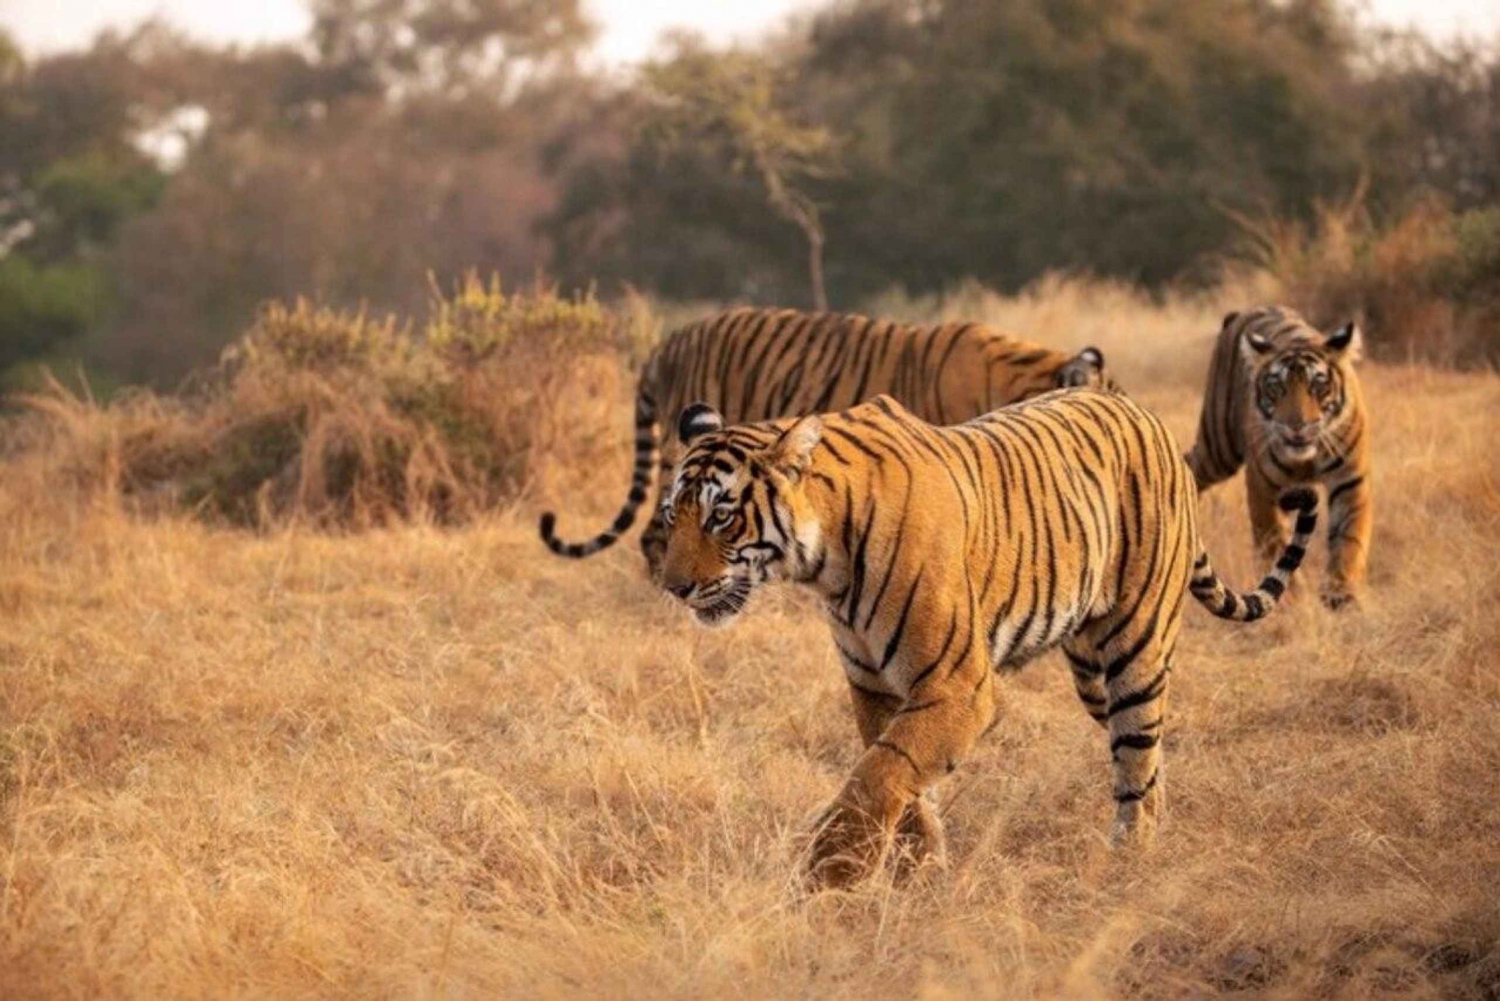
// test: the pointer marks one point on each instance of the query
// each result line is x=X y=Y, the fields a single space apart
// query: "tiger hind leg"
x=1088 y=681
x=1123 y=687
x=1134 y=676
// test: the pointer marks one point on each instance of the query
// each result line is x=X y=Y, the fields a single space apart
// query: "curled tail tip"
x=1299 y=499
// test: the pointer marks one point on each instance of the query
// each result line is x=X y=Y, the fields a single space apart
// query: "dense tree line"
x=154 y=191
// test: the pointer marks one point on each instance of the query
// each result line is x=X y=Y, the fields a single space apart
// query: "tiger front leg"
x=919 y=838
x=1268 y=525
x=1350 y=523
x=923 y=740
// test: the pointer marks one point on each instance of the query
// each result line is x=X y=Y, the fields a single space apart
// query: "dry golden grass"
x=423 y=763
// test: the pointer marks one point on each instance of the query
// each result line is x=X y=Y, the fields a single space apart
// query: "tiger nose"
x=681 y=590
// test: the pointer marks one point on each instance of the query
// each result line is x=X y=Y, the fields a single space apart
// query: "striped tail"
x=640 y=481
x=1226 y=604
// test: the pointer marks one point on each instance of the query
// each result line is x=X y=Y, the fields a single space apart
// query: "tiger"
x=758 y=364
x=945 y=555
x=1283 y=400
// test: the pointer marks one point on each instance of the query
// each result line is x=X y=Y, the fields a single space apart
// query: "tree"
x=446 y=45
x=70 y=175
x=729 y=102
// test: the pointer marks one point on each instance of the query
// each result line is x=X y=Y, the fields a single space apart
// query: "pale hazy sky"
x=630 y=27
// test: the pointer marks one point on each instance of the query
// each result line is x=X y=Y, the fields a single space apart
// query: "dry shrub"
x=1426 y=284
x=341 y=419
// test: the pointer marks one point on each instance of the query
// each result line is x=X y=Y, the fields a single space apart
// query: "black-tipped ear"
x=1228 y=319
x=698 y=419
x=1093 y=356
x=1344 y=339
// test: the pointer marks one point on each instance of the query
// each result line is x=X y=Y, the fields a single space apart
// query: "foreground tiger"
x=1283 y=401
x=945 y=554
x=759 y=364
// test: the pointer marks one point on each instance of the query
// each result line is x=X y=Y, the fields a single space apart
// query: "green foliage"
x=441 y=44
x=70 y=176
x=45 y=307
x=86 y=198
x=1477 y=254
x=998 y=139
x=729 y=102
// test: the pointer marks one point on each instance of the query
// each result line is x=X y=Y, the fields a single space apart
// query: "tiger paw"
x=920 y=843
x=848 y=844
x=1338 y=600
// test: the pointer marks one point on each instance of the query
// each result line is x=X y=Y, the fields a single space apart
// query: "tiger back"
x=760 y=364
x=1283 y=400
x=944 y=554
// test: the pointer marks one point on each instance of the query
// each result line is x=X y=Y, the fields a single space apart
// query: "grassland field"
x=431 y=763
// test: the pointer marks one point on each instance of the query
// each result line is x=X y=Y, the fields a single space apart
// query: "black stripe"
x=882 y=742
x=1291 y=557
x=1131 y=797
x=947 y=642
x=895 y=641
x=1135 y=741
x=1119 y=665
x=1140 y=696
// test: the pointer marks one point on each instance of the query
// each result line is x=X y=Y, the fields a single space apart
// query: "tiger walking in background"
x=943 y=555
x=760 y=364
x=1283 y=400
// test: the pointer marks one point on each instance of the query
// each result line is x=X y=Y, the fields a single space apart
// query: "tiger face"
x=1300 y=387
x=736 y=515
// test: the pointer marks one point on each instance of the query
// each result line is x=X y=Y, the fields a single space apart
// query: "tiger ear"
x=793 y=451
x=1346 y=342
x=698 y=419
x=1093 y=356
x=1258 y=342
x=1228 y=319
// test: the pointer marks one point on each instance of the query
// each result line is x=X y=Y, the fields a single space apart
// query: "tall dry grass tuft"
x=423 y=763
x=1425 y=284
x=342 y=419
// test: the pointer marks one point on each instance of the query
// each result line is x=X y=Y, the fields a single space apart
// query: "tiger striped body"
x=761 y=364
x=1283 y=400
x=946 y=554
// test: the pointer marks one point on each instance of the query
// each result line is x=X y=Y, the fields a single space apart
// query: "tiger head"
x=736 y=513
x=1086 y=368
x=1299 y=377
